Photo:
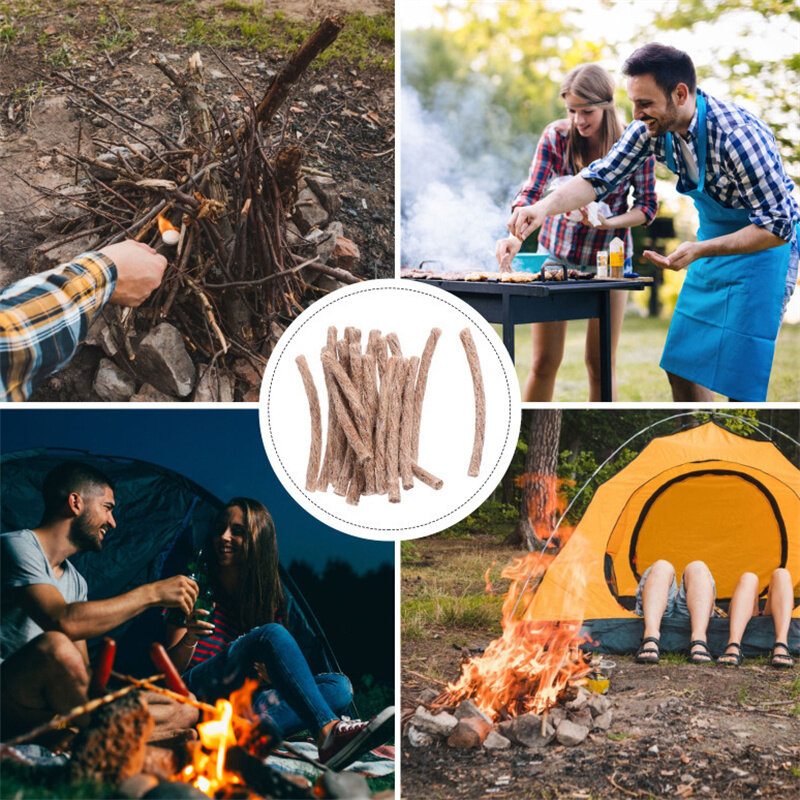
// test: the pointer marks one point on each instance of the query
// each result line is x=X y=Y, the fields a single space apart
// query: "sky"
x=220 y=449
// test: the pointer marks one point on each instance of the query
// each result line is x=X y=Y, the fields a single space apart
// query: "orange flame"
x=231 y=722
x=530 y=665
x=165 y=225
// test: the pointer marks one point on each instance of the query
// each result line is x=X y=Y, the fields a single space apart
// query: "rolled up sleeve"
x=632 y=149
x=753 y=160
x=44 y=318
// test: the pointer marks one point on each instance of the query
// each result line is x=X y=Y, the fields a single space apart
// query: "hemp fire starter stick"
x=315 y=450
x=426 y=477
x=407 y=424
x=369 y=384
x=419 y=391
x=381 y=426
x=393 y=433
x=394 y=344
x=480 y=402
x=342 y=413
x=333 y=442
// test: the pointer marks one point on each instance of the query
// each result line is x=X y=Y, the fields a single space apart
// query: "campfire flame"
x=229 y=724
x=532 y=662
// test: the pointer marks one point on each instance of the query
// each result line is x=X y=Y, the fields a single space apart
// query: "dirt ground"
x=679 y=730
x=342 y=116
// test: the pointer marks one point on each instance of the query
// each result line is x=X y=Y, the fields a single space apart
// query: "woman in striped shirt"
x=244 y=637
x=566 y=146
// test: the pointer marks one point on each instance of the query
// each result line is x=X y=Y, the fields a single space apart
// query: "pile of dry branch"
x=227 y=184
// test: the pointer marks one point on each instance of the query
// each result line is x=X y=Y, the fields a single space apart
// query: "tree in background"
x=538 y=511
x=499 y=71
x=771 y=85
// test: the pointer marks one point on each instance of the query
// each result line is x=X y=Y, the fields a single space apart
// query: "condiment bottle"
x=616 y=257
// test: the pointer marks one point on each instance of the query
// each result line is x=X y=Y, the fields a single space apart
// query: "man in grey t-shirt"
x=46 y=617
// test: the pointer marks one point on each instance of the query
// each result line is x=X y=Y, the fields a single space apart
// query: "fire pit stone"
x=137 y=785
x=603 y=721
x=149 y=394
x=309 y=212
x=440 y=724
x=162 y=360
x=570 y=733
x=528 y=731
x=468 y=709
x=598 y=704
x=418 y=738
x=470 y=732
x=582 y=717
x=495 y=741
x=325 y=189
x=112 y=383
x=580 y=701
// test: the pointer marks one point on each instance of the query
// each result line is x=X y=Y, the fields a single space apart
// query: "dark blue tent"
x=162 y=519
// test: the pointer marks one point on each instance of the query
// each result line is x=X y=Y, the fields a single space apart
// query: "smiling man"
x=46 y=617
x=743 y=268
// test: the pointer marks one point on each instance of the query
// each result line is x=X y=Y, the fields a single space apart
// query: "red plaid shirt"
x=575 y=242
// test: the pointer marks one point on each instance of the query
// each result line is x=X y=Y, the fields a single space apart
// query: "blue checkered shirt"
x=743 y=165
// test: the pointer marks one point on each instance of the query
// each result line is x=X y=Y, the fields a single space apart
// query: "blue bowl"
x=528 y=262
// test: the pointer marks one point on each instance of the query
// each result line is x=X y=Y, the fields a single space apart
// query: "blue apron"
x=722 y=334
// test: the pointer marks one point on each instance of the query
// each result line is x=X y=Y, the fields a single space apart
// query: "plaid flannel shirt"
x=44 y=317
x=743 y=165
x=575 y=242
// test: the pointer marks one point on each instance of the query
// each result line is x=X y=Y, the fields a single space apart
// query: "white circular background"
x=447 y=428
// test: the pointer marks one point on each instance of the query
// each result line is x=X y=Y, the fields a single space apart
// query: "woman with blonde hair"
x=565 y=147
x=244 y=636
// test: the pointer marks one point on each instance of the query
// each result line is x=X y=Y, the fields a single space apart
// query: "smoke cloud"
x=459 y=172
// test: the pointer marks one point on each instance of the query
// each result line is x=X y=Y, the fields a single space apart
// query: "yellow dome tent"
x=701 y=494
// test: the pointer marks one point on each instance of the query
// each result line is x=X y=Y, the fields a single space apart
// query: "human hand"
x=684 y=254
x=139 y=271
x=505 y=251
x=197 y=627
x=525 y=220
x=261 y=671
x=176 y=592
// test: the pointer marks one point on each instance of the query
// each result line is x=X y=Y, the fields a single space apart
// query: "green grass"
x=479 y=612
x=365 y=41
x=639 y=378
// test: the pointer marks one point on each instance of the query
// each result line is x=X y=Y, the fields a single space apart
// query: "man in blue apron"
x=743 y=268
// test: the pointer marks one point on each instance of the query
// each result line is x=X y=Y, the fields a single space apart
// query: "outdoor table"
x=513 y=304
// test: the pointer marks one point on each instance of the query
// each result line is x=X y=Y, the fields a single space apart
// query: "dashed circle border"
x=431 y=293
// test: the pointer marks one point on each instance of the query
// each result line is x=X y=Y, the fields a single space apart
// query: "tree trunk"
x=538 y=505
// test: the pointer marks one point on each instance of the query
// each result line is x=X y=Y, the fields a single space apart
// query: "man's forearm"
x=750 y=239
x=96 y=617
x=574 y=194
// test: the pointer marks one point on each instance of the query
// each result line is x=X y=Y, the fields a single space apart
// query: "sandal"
x=701 y=655
x=648 y=655
x=731 y=659
x=781 y=660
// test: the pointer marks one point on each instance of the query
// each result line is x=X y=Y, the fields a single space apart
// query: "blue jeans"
x=298 y=700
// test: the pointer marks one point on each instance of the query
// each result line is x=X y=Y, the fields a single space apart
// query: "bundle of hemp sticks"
x=375 y=400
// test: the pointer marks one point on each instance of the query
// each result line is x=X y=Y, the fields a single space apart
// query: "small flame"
x=169 y=233
x=531 y=664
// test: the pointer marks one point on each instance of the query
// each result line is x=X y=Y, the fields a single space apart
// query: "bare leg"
x=654 y=596
x=548 y=350
x=744 y=605
x=47 y=676
x=699 y=601
x=780 y=600
x=618 y=301
x=687 y=391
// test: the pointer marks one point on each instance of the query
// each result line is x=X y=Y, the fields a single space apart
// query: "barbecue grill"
x=510 y=304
